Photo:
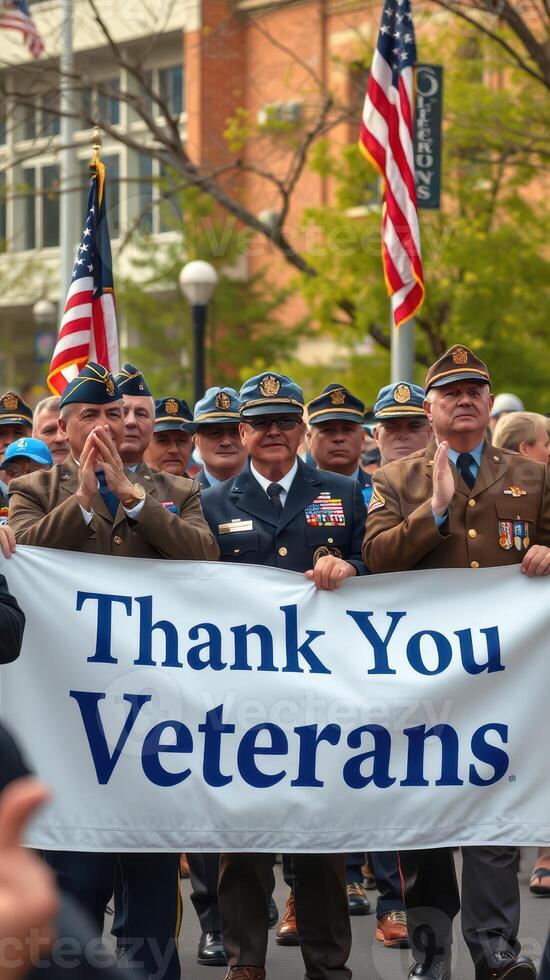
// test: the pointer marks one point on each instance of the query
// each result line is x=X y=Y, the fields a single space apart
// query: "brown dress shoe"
x=287 y=933
x=245 y=973
x=184 y=866
x=391 y=929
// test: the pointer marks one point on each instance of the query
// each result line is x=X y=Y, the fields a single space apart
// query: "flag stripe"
x=386 y=136
x=15 y=16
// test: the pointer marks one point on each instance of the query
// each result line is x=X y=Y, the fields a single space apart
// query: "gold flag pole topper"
x=97 y=168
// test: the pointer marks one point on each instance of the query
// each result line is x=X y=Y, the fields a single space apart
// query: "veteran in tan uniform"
x=461 y=503
x=95 y=504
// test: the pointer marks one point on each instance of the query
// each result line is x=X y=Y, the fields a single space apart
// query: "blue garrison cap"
x=33 y=449
x=130 y=381
x=399 y=401
x=335 y=404
x=270 y=394
x=173 y=413
x=13 y=410
x=216 y=406
x=94 y=385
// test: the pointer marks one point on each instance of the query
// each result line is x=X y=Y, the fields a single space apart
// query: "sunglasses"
x=262 y=423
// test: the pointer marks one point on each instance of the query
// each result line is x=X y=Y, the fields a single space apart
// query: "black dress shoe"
x=272 y=912
x=437 y=970
x=210 y=951
x=506 y=965
x=358 y=903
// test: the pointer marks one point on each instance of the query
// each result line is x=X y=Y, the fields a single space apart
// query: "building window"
x=170 y=88
x=50 y=206
x=51 y=121
x=160 y=211
x=109 y=105
x=168 y=83
x=102 y=107
x=40 y=210
x=29 y=208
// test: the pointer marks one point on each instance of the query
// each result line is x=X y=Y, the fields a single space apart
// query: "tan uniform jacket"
x=493 y=524
x=45 y=512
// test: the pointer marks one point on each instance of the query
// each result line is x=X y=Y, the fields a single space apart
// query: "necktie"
x=108 y=495
x=274 y=491
x=464 y=464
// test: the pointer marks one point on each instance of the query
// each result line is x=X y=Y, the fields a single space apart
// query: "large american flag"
x=15 y=15
x=387 y=139
x=88 y=330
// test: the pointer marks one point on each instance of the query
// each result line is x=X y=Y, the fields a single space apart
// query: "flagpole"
x=68 y=209
x=402 y=351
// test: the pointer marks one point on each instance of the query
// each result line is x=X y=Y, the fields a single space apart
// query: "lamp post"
x=198 y=281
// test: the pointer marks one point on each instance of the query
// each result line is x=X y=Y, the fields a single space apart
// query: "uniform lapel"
x=493 y=468
x=302 y=491
x=249 y=497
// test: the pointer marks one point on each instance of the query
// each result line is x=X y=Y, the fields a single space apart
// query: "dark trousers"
x=385 y=868
x=246 y=882
x=490 y=901
x=204 y=870
x=148 y=886
x=544 y=972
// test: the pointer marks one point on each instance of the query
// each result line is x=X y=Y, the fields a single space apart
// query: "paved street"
x=369 y=960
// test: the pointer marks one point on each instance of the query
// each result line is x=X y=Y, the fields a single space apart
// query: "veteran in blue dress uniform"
x=172 y=442
x=401 y=426
x=280 y=512
x=217 y=438
x=335 y=434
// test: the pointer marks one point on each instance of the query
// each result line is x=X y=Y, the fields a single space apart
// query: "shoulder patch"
x=376 y=501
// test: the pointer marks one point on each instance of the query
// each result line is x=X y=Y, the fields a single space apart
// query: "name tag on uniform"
x=235 y=525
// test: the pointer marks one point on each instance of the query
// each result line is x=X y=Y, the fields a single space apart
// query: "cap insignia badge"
x=10 y=401
x=270 y=386
x=460 y=356
x=223 y=400
x=338 y=396
x=402 y=394
x=171 y=406
x=110 y=386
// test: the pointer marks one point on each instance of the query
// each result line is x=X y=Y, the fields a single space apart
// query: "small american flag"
x=387 y=139
x=15 y=15
x=88 y=330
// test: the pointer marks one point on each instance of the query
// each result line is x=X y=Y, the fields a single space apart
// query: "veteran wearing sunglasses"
x=282 y=513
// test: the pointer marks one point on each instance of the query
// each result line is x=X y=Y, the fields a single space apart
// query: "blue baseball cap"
x=399 y=401
x=218 y=405
x=94 y=385
x=25 y=448
x=335 y=404
x=270 y=394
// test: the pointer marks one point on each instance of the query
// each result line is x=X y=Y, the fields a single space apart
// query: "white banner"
x=203 y=706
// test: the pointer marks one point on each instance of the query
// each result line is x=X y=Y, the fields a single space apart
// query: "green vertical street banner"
x=427 y=134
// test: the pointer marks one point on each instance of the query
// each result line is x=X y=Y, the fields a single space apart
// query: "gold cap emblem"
x=269 y=386
x=10 y=401
x=460 y=356
x=223 y=400
x=337 y=396
x=171 y=406
x=402 y=394
x=110 y=386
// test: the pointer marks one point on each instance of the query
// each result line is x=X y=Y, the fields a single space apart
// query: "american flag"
x=387 y=139
x=15 y=15
x=88 y=330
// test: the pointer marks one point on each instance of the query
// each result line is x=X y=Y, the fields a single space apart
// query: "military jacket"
x=492 y=524
x=324 y=513
x=45 y=512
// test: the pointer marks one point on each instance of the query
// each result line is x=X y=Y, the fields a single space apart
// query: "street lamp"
x=198 y=280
